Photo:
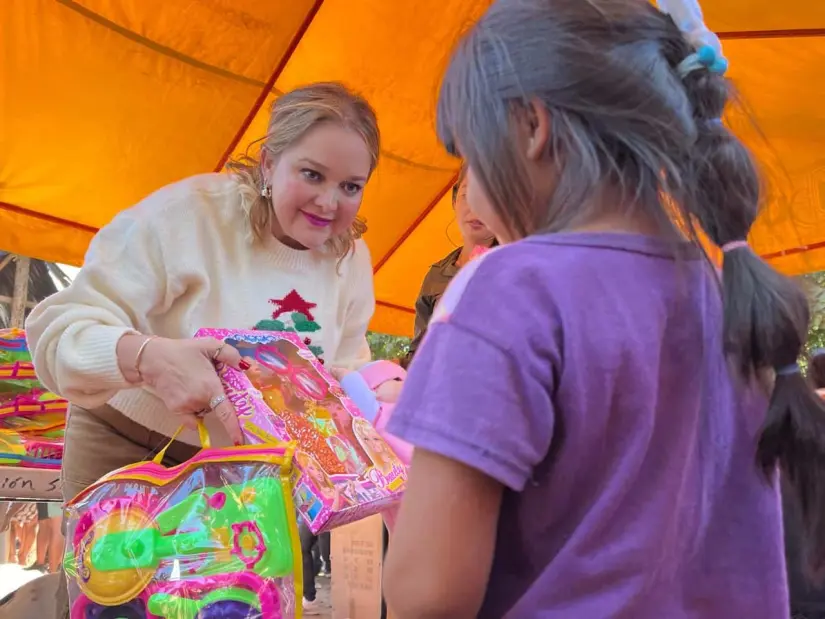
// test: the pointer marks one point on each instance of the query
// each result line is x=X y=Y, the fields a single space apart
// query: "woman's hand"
x=182 y=373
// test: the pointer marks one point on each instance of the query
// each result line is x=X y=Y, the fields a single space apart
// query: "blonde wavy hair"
x=293 y=114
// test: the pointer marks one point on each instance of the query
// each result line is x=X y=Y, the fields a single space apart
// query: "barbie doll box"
x=344 y=471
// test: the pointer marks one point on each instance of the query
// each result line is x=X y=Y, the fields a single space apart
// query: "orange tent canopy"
x=103 y=101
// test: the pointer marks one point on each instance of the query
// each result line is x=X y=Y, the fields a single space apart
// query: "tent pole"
x=5 y=262
x=21 y=291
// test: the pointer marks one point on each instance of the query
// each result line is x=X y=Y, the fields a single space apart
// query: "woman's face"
x=317 y=185
x=473 y=230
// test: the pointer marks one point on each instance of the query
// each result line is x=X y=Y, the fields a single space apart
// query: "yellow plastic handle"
x=203 y=435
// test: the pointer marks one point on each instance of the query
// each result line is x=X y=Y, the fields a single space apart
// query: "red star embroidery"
x=292 y=302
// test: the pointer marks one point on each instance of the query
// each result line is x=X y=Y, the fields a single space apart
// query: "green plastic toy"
x=245 y=519
x=231 y=543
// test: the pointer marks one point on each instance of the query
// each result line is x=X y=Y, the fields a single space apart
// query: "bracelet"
x=139 y=354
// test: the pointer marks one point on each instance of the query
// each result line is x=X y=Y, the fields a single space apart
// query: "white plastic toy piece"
x=689 y=18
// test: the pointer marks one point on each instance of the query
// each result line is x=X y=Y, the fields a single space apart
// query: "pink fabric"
x=376 y=374
x=401 y=448
x=478 y=251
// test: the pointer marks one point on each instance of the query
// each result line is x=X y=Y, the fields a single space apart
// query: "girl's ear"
x=537 y=119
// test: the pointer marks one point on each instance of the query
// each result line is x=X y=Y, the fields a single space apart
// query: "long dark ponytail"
x=766 y=314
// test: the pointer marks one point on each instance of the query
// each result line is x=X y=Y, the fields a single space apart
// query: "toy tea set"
x=216 y=537
x=213 y=538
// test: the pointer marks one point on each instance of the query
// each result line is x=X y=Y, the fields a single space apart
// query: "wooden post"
x=21 y=292
x=5 y=262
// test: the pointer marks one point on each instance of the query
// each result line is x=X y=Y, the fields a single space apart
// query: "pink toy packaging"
x=213 y=538
x=375 y=389
x=344 y=470
x=479 y=251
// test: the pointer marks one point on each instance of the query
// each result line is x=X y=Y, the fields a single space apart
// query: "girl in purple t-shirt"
x=597 y=428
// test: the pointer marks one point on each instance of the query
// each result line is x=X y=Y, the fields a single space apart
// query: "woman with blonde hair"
x=273 y=244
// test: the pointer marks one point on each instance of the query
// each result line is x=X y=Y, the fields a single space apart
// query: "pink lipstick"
x=318 y=222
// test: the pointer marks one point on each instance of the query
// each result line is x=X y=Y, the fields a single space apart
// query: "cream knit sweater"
x=180 y=260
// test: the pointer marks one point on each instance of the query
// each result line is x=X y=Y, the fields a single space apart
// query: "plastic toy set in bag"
x=213 y=538
x=345 y=471
x=32 y=420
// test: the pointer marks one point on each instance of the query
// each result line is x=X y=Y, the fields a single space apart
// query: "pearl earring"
x=266 y=192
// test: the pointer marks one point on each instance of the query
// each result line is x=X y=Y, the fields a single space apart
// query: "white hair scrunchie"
x=687 y=14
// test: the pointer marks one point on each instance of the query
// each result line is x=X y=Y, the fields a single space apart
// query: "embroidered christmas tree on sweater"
x=293 y=313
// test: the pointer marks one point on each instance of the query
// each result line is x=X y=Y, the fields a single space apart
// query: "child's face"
x=531 y=138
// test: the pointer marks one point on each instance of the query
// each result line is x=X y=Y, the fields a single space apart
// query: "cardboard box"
x=18 y=483
x=357 y=554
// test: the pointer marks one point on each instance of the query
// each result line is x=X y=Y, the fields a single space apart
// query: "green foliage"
x=388 y=347
x=815 y=287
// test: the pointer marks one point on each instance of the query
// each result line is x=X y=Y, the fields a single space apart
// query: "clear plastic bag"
x=215 y=537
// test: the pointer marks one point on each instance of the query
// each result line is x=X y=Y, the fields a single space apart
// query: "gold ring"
x=218 y=351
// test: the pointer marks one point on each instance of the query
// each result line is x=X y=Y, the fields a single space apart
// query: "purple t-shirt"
x=585 y=373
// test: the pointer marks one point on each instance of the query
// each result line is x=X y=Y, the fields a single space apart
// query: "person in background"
x=807 y=599
x=474 y=235
x=315 y=558
x=324 y=561
x=595 y=429
x=320 y=555
x=49 y=537
x=816 y=370
x=23 y=532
